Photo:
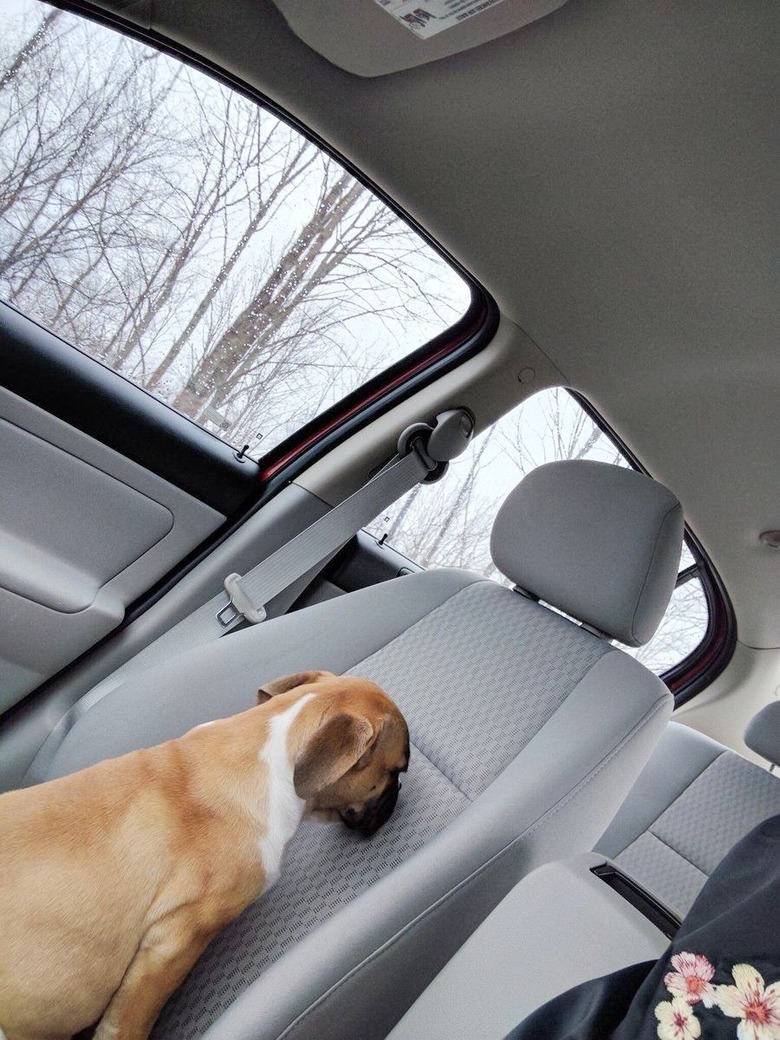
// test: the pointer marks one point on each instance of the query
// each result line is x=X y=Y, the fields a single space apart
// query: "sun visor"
x=374 y=37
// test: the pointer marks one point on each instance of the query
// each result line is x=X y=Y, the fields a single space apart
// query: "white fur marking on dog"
x=285 y=808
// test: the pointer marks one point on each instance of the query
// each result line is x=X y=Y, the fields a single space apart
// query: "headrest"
x=763 y=733
x=599 y=542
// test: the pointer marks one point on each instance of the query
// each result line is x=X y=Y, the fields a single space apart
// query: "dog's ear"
x=391 y=731
x=288 y=682
x=333 y=750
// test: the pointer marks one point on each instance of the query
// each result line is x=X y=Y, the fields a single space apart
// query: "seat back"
x=692 y=803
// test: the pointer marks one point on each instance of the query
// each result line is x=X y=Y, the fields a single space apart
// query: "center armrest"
x=560 y=926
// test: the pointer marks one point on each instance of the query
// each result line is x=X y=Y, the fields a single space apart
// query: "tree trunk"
x=268 y=309
x=29 y=48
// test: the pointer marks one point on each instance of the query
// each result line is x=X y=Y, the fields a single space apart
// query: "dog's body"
x=113 y=880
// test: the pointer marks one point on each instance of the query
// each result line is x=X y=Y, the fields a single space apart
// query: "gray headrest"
x=763 y=733
x=599 y=542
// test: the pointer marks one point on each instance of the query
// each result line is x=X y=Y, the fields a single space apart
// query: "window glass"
x=448 y=524
x=168 y=226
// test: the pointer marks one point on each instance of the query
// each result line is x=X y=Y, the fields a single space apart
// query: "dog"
x=113 y=880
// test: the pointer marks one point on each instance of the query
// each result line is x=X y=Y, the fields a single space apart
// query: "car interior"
x=494 y=426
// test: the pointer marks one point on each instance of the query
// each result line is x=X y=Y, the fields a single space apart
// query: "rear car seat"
x=693 y=801
x=527 y=732
x=562 y=925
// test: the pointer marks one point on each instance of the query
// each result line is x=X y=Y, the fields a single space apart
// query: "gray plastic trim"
x=40 y=720
x=85 y=532
x=559 y=927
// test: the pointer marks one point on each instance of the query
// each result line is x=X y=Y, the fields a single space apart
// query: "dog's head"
x=348 y=744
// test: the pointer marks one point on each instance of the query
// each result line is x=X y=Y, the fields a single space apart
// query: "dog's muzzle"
x=375 y=813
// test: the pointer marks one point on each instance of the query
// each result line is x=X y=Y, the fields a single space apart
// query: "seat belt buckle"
x=240 y=605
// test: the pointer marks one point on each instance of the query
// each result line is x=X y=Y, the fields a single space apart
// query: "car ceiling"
x=607 y=173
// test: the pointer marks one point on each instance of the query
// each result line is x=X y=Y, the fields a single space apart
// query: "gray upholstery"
x=473 y=699
x=693 y=802
x=561 y=926
x=469 y=713
x=325 y=869
x=512 y=964
x=600 y=542
x=762 y=734
x=527 y=731
x=475 y=812
x=222 y=678
x=353 y=976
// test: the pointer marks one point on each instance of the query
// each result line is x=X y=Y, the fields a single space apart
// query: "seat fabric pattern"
x=675 y=856
x=477 y=678
x=324 y=867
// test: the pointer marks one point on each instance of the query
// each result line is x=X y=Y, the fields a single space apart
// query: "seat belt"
x=423 y=453
x=249 y=595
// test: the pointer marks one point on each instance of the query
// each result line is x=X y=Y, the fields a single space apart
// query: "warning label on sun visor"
x=426 y=18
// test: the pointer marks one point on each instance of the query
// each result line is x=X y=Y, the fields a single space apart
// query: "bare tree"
x=194 y=242
x=559 y=429
x=233 y=194
x=79 y=141
x=251 y=334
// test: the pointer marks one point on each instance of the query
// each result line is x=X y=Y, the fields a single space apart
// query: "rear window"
x=194 y=242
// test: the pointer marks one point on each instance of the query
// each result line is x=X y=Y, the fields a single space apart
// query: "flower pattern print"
x=757 y=1005
x=676 y=1020
x=692 y=979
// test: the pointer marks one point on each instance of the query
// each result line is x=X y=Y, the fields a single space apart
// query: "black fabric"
x=718 y=978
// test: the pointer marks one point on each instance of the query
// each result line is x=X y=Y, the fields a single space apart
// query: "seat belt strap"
x=422 y=452
x=249 y=595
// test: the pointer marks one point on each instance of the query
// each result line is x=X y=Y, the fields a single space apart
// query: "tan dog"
x=113 y=880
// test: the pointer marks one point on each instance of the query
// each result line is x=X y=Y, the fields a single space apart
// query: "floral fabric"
x=756 y=1005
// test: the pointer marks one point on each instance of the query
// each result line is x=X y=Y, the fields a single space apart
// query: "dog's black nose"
x=379 y=811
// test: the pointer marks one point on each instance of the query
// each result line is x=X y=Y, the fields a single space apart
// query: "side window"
x=448 y=524
x=165 y=224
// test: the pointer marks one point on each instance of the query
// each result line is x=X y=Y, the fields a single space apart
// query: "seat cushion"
x=692 y=803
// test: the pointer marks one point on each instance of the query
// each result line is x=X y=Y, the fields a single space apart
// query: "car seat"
x=528 y=728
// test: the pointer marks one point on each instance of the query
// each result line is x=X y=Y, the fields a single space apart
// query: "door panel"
x=84 y=531
x=47 y=552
